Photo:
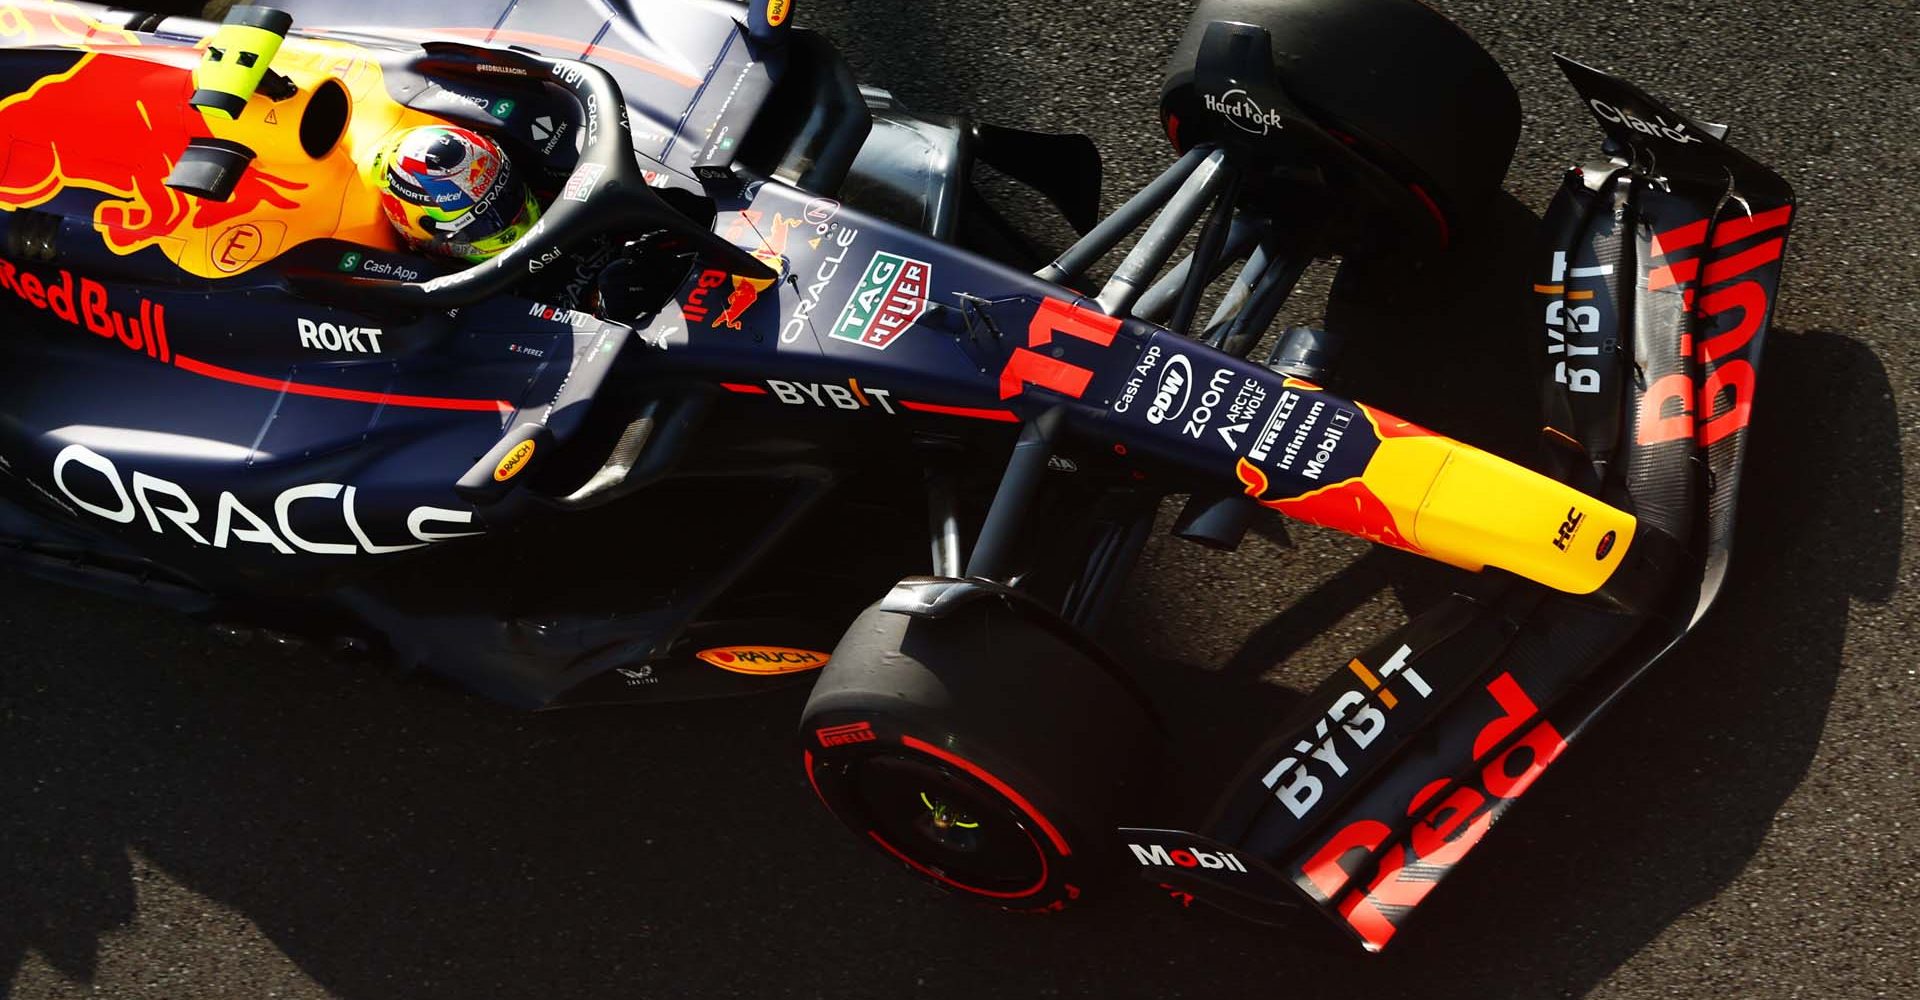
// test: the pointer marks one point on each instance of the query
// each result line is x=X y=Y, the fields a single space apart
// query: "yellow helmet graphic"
x=453 y=192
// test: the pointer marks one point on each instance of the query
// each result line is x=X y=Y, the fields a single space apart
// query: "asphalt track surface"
x=180 y=819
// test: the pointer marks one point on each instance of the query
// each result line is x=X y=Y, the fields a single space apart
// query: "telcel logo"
x=1658 y=128
x=1158 y=855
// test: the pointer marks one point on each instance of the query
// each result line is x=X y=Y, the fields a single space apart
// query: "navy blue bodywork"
x=707 y=401
x=265 y=495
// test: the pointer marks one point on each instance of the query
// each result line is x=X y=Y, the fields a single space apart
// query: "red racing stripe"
x=293 y=388
x=999 y=416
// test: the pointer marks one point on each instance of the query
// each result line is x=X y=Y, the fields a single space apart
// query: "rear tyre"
x=986 y=752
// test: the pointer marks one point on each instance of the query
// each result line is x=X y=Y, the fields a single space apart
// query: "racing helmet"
x=452 y=191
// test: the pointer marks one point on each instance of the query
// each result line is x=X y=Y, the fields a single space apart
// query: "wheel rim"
x=948 y=827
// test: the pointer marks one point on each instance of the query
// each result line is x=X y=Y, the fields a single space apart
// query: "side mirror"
x=769 y=21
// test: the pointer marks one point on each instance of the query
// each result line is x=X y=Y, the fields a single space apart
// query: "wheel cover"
x=948 y=826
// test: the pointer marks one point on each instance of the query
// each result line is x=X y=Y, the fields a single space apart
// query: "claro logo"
x=96 y=485
x=1175 y=390
x=1157 y=855
x=1658 y=128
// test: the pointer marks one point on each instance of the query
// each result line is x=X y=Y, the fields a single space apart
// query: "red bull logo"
x=84 y=305
x=745 y=295
x=745 y=292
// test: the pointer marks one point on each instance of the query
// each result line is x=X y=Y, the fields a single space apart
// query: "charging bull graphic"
x=112 y=119
x=137 y=122
x=746 y=292
x=1347 y=506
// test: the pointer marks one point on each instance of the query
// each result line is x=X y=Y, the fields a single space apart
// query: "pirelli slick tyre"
x=983 y=751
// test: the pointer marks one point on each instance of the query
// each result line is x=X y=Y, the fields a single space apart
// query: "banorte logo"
x=134 y=121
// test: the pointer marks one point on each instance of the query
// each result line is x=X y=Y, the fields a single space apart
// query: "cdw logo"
x=1157 y=854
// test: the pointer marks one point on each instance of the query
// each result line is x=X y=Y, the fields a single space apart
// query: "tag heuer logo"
x=891 y=297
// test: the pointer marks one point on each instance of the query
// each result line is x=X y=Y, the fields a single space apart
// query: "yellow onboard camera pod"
x=239 y=60
x=237 y=64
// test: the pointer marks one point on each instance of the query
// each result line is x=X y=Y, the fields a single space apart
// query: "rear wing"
x=1656 y=302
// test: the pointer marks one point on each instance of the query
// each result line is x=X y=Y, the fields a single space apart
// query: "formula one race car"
x=766 y=353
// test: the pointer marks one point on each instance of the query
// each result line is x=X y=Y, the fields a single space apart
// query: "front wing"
x=1656 y=302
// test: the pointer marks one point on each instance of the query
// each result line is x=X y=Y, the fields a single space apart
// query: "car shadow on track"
x=395 y=839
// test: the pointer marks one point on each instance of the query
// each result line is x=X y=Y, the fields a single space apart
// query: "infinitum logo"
x=1244 y=112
